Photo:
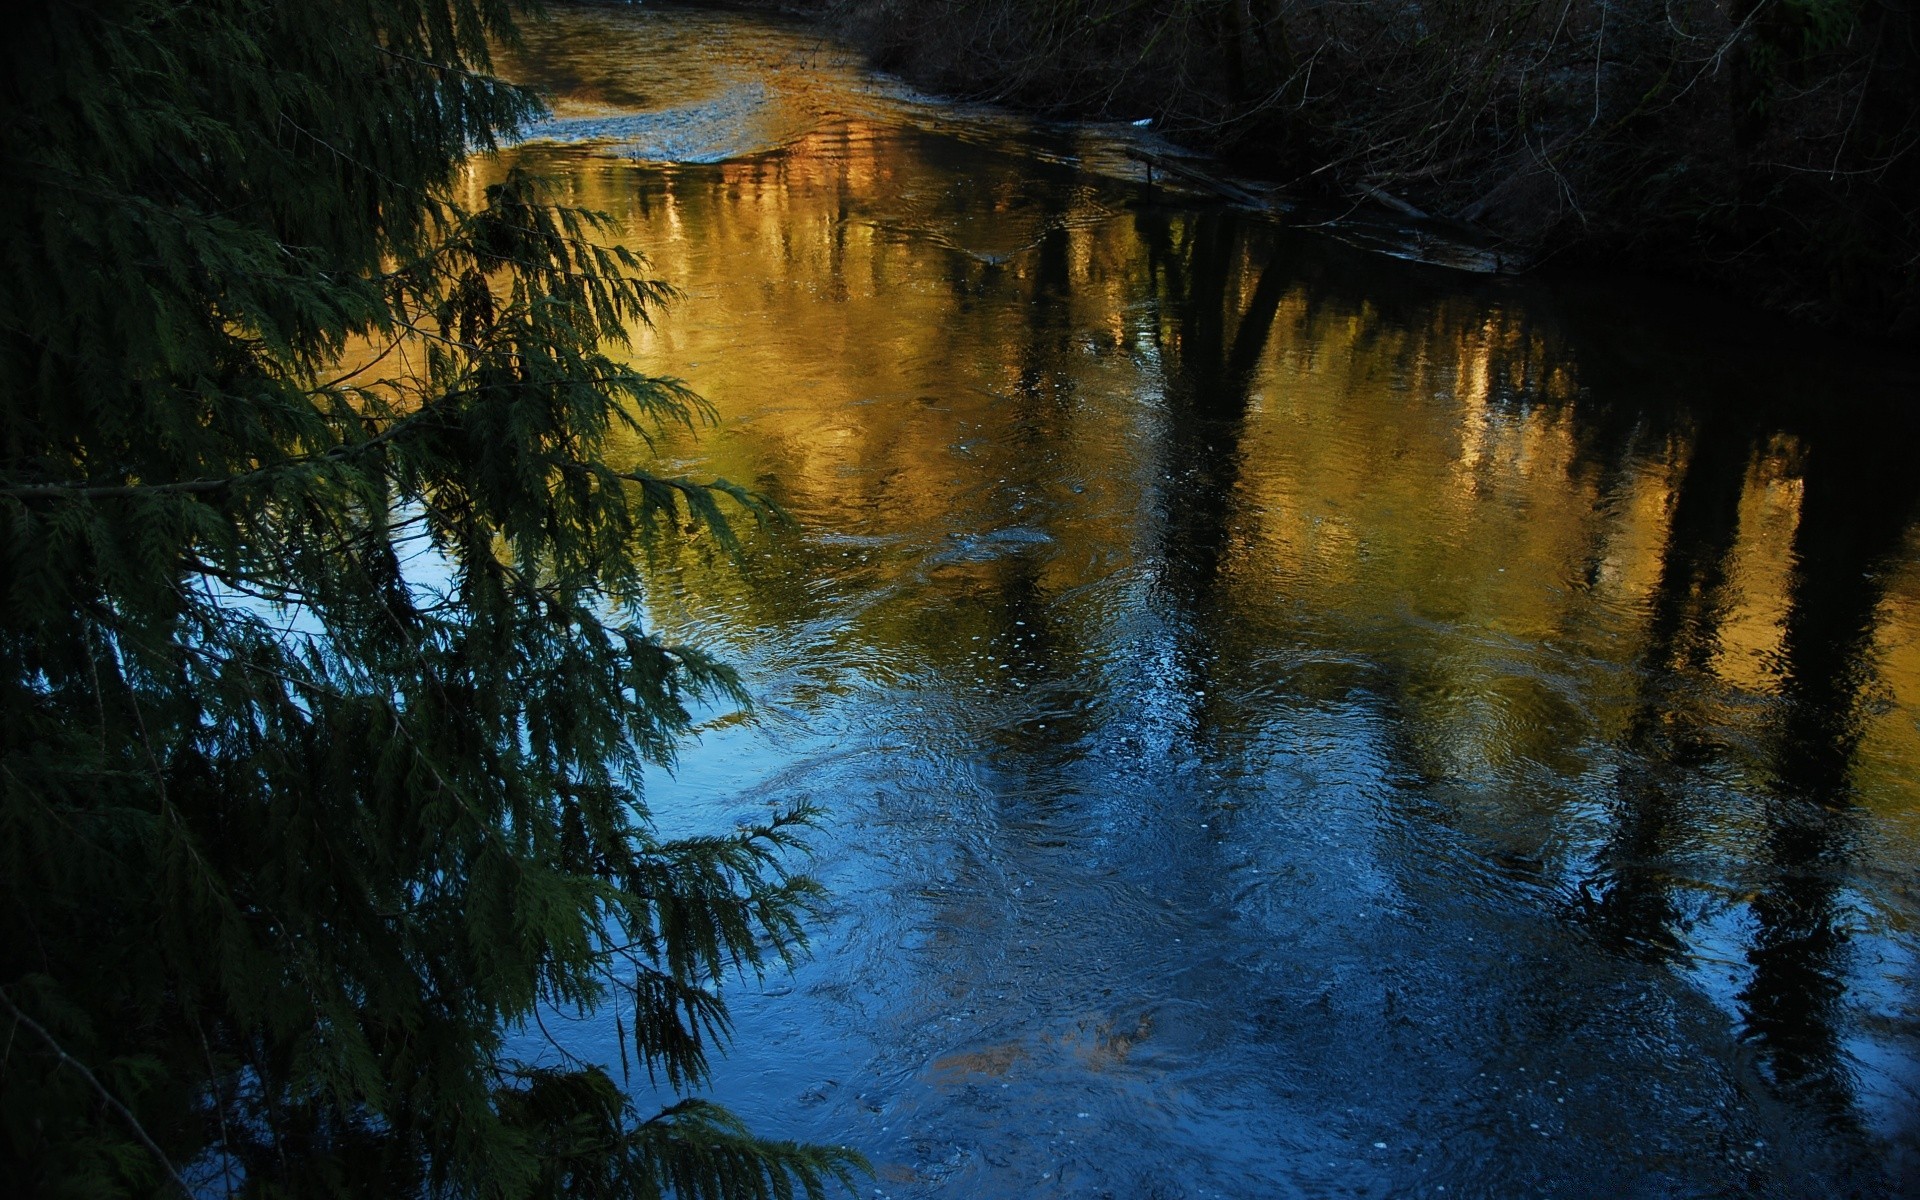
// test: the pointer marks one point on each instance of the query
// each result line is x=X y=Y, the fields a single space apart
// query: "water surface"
x=1296 y=723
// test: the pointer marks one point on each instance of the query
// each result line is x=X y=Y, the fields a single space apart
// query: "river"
x=1296 y=721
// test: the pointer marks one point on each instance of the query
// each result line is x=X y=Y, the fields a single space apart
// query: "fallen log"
x=1391 y=201
x=1212 y=183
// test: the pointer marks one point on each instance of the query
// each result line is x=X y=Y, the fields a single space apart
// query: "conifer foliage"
x=324 y=691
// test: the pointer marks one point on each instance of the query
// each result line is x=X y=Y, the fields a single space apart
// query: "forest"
x=1768 y=146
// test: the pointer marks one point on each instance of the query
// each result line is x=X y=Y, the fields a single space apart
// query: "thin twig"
x=112 y=1101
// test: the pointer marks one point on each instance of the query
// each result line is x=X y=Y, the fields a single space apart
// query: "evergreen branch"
x=107 y=1097
x=201 y=487
x=702 y=1150
x=444 y=68
x=371 y=820
x=340 y=453
x=329 y=387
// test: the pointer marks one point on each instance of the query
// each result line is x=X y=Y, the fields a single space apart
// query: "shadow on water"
x=1209 y=340
x=1859 y=499
x=1296 y=723
x=1629 y=902
x=1854 y=517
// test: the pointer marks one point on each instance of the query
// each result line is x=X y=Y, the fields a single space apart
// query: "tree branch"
x=112 y=1101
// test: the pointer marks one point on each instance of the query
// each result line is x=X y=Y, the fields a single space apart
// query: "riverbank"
x=1762 y=146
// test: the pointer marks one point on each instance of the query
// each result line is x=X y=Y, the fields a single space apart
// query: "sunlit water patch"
x=1295 y=722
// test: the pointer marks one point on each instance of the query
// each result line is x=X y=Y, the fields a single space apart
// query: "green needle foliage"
x=325 y=692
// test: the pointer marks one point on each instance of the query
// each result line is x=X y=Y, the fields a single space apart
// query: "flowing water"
x=1295 y=722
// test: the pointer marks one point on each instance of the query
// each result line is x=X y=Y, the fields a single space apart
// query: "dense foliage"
x=325 y=690
x=1772 y=144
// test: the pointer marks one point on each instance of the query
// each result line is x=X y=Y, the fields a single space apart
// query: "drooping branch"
x=106 y=1095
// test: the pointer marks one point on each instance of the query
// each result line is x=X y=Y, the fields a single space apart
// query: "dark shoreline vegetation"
x=327 y=690
x=1766 y=147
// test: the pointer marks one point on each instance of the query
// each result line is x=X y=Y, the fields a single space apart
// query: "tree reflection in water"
x=1277 y=700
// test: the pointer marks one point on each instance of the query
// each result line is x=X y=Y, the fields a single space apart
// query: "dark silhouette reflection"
x=1629 y=902
x=1040 y=645
x=1047 y=349
x=1219 y=328
x=1858 y=498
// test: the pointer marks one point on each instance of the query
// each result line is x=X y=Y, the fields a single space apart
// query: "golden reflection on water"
x=906 y=355
x=1070 y=461
x=899 y=363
